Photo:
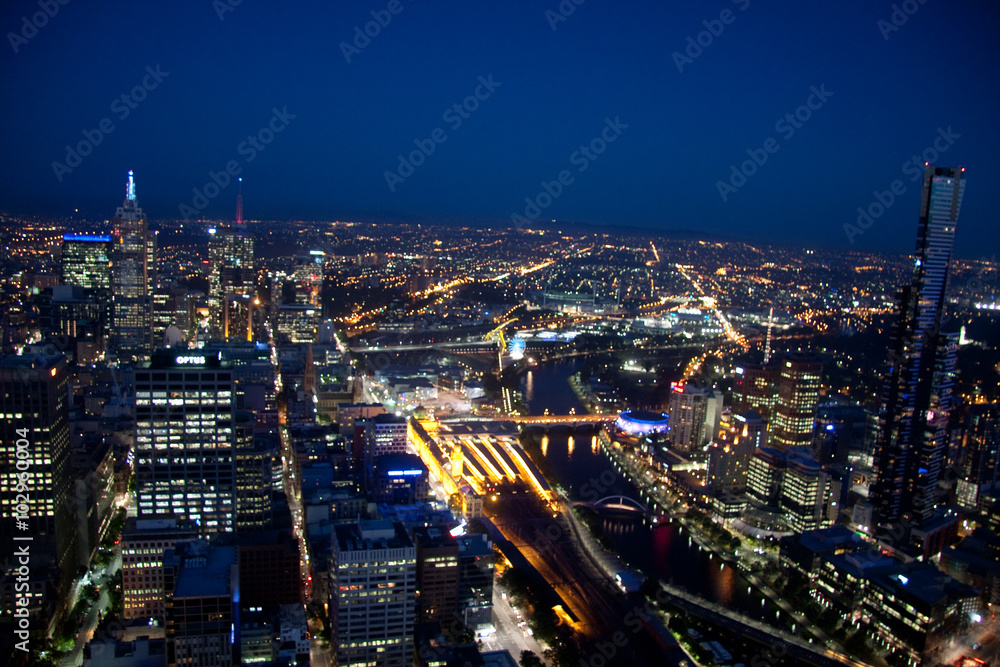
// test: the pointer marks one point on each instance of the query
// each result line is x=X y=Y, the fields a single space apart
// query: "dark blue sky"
x=606 y=60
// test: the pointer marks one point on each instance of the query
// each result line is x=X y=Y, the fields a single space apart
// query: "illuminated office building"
x=756 y=388
x=86 y=261
x=254 y=460
x=798 y=394
x=144 y=542
x=804 y=487
x=131 y=308
x=690 y=427
x=296 y=323
x=373 y=594
x=729 y=457
x=34 y=441
x=917 y=396
x=184 y=439
x=232 y=278
x=979 y=454
x=308 y=277
x=202 y=584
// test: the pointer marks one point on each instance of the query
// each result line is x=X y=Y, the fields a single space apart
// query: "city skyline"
x=556 y=334
x=607 y=98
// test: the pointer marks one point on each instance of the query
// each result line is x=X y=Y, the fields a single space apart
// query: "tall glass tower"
x=917 y=396
x=86 y=261
x=230 y=255
x=131 y=310
x=184 y=439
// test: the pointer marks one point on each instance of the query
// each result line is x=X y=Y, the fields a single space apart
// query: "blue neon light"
x=87 y=237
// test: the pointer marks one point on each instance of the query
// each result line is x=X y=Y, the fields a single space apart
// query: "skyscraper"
x=729 y=457
x=980 y=450
x=185 y=431
x=688 y=410
x=917 y=398
x=36 y=476
x=143 y=543
x=804 y=489
x=202 y=586
x=756 y=389
x=373 y=594
x=131 y=311
x=230 y=255
x=86 y=261
x=798 y=393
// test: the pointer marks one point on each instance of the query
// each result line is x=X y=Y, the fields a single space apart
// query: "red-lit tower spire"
x=239 y=204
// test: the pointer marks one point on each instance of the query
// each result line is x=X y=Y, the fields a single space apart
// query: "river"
x=664 y=551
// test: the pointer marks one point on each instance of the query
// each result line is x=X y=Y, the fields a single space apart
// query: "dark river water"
x=664 y=551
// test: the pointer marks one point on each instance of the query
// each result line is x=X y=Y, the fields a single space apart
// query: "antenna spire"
x=130 y=190
x=239 y=203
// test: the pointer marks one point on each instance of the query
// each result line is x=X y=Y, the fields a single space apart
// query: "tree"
x=529 y=659
x=857 y=643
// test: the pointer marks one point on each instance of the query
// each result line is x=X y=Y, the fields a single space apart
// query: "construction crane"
x=497 y=335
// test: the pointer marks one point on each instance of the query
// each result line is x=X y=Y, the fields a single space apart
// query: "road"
x=509 y=636
x=318 y=656
x=984 y=633
x=75 y=657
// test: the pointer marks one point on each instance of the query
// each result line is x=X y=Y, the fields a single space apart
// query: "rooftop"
x=366 y=535
x=205 y=570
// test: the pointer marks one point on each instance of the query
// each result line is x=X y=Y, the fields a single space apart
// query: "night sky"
x=672 y=125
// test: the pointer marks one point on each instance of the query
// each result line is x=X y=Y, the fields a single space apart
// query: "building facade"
x=131 y=307
x=86 y=261
x=798 y=394
x=144 y=542
x=36 y=495
x=373 y=594
x=185 y=432
x=917 y=397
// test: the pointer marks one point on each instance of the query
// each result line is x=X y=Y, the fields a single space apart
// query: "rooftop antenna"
x=130 y=190
x=767 y=345
x=239 y=204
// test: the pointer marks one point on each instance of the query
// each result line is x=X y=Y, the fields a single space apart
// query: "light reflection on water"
x=663 y=551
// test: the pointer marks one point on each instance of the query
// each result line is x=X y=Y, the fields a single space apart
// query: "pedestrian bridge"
x=616 y=504
x=563 y=419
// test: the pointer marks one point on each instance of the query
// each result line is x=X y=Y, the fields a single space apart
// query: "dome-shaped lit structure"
x=642 y=423
x=173 y=336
